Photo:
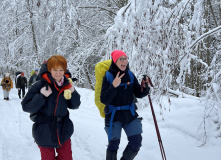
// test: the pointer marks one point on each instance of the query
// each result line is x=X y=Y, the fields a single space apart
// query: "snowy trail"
x=178 y=132
x=15 y=131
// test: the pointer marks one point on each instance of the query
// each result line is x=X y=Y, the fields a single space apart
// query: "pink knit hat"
x=116 y=54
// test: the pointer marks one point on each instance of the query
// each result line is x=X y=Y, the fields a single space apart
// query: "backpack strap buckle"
x=113 y=109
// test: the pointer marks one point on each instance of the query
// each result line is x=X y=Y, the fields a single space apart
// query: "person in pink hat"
x=118 y=90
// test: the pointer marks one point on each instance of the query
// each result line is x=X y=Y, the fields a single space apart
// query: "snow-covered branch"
x=213 y=31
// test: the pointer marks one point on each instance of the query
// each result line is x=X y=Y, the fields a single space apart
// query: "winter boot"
x=128 y=154
x=19 y=96
x=7 y=99
x=110 y=155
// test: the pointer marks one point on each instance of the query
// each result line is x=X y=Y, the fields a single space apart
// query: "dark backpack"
x=16 y=74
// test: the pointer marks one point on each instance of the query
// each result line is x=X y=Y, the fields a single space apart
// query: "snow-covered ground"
x=179 y=131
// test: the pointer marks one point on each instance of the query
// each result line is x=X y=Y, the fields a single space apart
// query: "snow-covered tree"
x=175 y=42
x=171 y=42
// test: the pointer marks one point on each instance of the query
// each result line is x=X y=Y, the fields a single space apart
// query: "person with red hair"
x=48 y=101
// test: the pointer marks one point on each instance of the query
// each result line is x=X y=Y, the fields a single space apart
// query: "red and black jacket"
x=52 y=125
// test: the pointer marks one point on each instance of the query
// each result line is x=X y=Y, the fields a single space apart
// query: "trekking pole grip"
x=145 y=78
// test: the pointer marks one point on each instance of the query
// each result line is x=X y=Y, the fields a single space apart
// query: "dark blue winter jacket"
x=120 y=96
x=52 y=125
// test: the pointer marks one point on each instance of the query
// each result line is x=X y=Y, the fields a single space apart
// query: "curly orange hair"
x=55 y=61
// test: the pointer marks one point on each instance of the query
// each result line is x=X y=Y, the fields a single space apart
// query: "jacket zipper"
x=59 y=92
x=58 y=138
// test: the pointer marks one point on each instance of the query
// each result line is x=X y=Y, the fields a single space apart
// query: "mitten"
x=67 y=94
x=45 y=92
x=70 y=80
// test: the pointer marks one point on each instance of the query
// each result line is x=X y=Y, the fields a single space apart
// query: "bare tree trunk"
x=192 y=74
x=219 y=9
x=198 y=72
x=33 y=31
x=211 y=8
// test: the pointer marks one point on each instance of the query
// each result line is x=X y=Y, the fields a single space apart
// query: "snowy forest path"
x=13 y=128
x=89 y=141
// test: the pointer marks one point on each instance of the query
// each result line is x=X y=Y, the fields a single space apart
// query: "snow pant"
x=133 y=131
x=63 y=153
x=23 y=91
x=6 y=94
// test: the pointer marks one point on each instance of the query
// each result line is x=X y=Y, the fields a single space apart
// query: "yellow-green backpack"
x=100 y=70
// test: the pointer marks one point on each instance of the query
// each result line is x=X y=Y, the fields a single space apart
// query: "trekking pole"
x=155 y=121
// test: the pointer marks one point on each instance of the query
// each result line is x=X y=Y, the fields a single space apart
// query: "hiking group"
x=52 y=94
x=22 y=83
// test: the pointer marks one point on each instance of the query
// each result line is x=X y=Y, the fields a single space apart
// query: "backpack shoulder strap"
x=131 y=76
x=110 y=77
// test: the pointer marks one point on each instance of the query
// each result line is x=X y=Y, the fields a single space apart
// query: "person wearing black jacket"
x=21 y=85
x=48 y=101
x=119 y=98
x=33 y=78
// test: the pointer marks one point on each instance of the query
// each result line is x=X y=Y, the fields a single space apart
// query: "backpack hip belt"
x=113 y=109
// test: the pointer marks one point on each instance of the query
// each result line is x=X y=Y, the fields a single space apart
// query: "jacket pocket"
x=36 y=131
x=67 y=130
x=44 y=134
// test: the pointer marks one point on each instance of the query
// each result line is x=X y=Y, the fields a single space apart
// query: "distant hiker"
x=118 y=90
x=33 y=78
x=21 y=85
x=17 y=74
x=48 y=101
x=7 y=85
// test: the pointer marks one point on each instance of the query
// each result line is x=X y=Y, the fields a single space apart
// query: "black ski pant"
x=22 y=89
